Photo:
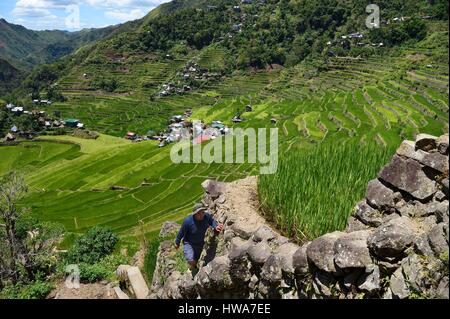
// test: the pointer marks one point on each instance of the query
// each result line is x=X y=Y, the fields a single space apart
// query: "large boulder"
x=219 y=274
x=264 y=233
x=171 y=288
x=441 y=211
x=213 y=188
x=242 y=229
x=239 y=249
x=323 y=284
x=422 y=274
x=271 y=271
x=436 y=161
x=417 y=209
x=398 y=286
x=380 y=197
x=187 y=287
x=320 y=251
x=259 y=253
x=407 y=175
x=442 y=289
x=286 y=253
x=408 y=149
x=367 y=215
x=351 y=251
x=391 y=239
x=442 y=144
x=438 y=238
x=369 y=281
x=300 y=260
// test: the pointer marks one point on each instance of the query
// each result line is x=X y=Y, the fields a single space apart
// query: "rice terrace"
x=91 y=131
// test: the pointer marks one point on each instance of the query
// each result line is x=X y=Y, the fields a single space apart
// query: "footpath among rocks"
x=394 y=246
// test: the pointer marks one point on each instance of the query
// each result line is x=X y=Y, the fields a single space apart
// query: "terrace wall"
x=395 y=244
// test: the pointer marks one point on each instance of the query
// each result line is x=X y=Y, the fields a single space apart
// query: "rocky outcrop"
x=395 y=244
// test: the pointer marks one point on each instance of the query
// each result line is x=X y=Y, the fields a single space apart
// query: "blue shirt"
x=193 y=231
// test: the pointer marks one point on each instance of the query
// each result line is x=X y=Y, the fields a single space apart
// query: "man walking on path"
x=193 y=233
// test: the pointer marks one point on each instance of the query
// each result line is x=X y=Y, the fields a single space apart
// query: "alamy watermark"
x=73 y=277
x=373 y=19
x=237 y=146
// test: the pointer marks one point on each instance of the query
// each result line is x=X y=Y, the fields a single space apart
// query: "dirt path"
x=242 y=203
x=86 y=291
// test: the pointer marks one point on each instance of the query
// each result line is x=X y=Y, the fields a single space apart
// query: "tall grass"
x=314 y=191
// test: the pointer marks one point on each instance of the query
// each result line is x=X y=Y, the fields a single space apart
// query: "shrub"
x=92 y=273
x=91 y=247
x=35 y=290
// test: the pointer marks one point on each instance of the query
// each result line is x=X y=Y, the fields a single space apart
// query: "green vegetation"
x=104 y=269
x=26 y=245
x=92 y=246
x=314 y=191
x=25 y=48
x=150 y=259
x=339 y=116
x=35 y=290
x=10 y=77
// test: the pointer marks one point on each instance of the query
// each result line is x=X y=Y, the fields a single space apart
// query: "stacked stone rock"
x=395 y=244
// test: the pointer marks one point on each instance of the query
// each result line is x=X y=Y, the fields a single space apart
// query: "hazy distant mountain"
x=24 y=48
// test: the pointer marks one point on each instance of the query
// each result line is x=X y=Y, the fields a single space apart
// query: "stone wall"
x=395 y=244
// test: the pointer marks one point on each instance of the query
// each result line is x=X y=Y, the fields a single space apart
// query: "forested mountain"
x=26 y=48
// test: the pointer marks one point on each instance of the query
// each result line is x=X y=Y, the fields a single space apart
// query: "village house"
x=71 y=122
x=131 y=136
x=10 y=137
x=236 y=119
x=17 y=110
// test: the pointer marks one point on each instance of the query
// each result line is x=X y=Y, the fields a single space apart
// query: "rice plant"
x=314 y=191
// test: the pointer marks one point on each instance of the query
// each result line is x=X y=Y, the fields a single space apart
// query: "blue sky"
x=73 y=15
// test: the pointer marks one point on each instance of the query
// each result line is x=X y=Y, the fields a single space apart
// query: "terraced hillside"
x=134 y=187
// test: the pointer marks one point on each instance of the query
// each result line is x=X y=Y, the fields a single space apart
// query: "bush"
x=35 y=290
x=91 y=247
x=93 y=273
x=104 y=269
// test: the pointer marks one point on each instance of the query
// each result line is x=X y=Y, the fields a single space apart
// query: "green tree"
x=26 y=245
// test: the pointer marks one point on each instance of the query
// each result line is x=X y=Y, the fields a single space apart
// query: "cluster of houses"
x=44 y=122
x=355 y=38
x=18 y=110
x=180 y=127
x=182 y=83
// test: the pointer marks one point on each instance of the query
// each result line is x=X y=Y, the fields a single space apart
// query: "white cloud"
x=125 y=3
x=123 y=16
x=39 y=14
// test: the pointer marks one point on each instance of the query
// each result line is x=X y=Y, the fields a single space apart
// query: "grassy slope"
x=385 y=98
